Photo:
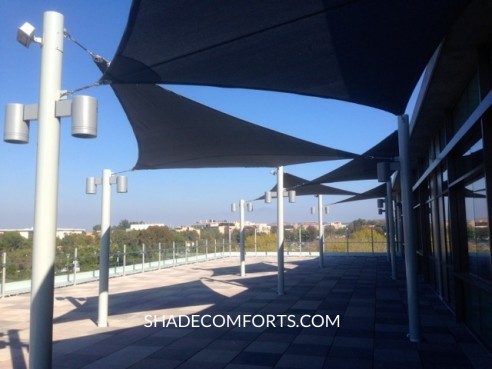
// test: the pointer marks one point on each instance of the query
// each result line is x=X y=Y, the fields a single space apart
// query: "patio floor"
x=370 y=305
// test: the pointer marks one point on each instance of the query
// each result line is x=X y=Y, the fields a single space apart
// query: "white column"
x=46 y=195
x=391 y=227
x=280 y=229
x=321 y=232
x=102 y=317
x=409 y=229
x=241 y=238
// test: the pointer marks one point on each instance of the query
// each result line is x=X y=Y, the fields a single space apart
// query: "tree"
x=153 y=235
x=124 y=224
x=310 y=234
x=72 y=240
x=264 y=242
x=13 y=241
x=210 y=234
x=188 y=235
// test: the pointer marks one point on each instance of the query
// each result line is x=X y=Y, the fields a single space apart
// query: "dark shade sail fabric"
x=367 y=52
x=175 y=132
x=365 y=166
x=304 y=188
x=374 y=193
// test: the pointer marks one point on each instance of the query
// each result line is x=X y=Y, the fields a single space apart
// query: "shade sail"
x=175 y=132
x=366 y=52
x=374 y=193
x=365 y=166
x=304 y=188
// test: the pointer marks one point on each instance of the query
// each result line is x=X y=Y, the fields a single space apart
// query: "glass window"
x=467 y=103
x=471 y=159
x=445 y=230
x=477 y=222
x=431 y=228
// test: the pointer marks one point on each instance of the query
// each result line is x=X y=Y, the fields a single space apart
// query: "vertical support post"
x=68 y=270
x=206 y=249
x=399 y=227
x=256 y=248
x=102 y=320
x=386 y=219
x=347 y=239
x=174 y=253
x=143 y=257
x=215 y=248
x=408 y=229
x=321 y=232
x=160 y=256
x=300 y=241
x=46 y=195
x=4 y=271
x=196 y=251
x=242 y=253
x=230 y=241
x=391 y=227
x=124 y=260
x=280 y=230
x=372 y=239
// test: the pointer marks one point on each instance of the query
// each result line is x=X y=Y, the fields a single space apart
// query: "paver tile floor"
x=151 y=320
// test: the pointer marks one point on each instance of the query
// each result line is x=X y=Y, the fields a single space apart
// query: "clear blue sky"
x=173 y=197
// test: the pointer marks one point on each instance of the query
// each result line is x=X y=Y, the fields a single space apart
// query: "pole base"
x=414 y=340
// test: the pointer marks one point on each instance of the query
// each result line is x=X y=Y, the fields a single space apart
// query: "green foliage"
x=210 y=234
x=364 y=234
x=13 y=241
x=88 y=246
x=124 y=224
x=264 y=242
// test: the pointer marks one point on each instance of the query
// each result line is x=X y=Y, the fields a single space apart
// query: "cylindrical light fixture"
x=122 y=184
x=84 y=116
x=16 y=128
x=292 y=196
x=90 y=185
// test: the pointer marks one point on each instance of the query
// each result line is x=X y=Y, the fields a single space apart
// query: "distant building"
x=142 y=227
x=28 y=232
x=337 y=225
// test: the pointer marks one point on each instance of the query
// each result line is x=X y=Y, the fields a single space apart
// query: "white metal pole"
x=391 y=227
x=124 y=260
x=174 y=253
x=46 y=195
x=143 y=257
x=4 y=271
x=241 y=238
x=102 y=320
x=408 y=229
x=75 y=265
x=321 y=232
x=230 y=239
x=300 y=240
x=280 y=229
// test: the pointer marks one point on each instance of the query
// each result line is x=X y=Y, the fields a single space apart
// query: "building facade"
x=451 y=143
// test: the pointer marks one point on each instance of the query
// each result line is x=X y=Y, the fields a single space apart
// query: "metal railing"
x=81 y=266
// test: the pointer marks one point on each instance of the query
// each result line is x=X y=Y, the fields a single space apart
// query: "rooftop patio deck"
x=370 y=305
